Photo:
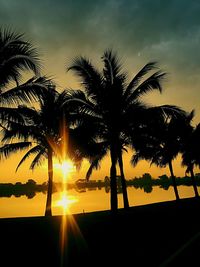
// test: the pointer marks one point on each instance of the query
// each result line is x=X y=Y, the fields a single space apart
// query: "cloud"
x=140 y=30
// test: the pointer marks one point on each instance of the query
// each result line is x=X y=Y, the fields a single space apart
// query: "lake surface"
x=88 y=200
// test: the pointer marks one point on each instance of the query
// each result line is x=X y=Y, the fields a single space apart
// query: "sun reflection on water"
x=65 y=202
x=68 y=223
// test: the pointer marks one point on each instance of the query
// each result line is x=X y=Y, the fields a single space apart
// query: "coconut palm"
x=161 y=144
x=116 y=108
x=41 y=131
x=190 y=149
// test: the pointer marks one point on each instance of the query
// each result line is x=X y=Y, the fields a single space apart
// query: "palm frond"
x=8 y=149
x=16 y=55
x=111 y=67
x=169 y=111
x=89 y=76
x=94 y=165
x=136 y=158
x=32 y=90
x=10 y=114
x=18 y=63
x=37 y=160
x=30 y=115
x=77 y=99
x=150 y=84
x=99 y=151
x=62 y=99
x=32 y=151
x=21 y=131
x=138 y=77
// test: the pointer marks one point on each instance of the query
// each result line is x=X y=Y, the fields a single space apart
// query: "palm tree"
x=190 y=149
x=161 y=144
x=116 y=108
x=41 y=132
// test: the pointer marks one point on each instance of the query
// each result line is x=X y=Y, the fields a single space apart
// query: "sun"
x=66 y=167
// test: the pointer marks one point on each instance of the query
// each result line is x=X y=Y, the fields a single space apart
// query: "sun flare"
x=66 y=167
x=66 y=201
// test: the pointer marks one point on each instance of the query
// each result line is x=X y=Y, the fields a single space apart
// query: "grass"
x=161 y=234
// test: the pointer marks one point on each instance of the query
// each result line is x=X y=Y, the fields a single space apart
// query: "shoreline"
x=147 y=206
x=146 y=235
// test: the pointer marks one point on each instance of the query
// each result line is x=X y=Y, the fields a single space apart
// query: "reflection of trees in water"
x=165 y=186
x=10 y=193
x=28 y=189
x=30 y=194
x=107 y=189
x=148 y=188
x=80 y=190
x=145 y=183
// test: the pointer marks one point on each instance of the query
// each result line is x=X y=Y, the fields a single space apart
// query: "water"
x=89 y=200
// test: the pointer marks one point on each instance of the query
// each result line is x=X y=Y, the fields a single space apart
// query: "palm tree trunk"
x=173 y=180
x=193 y=182
x=123 y=181
x=113 y=180
x=48 y=211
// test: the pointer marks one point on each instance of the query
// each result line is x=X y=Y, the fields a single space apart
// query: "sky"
x=138 y=30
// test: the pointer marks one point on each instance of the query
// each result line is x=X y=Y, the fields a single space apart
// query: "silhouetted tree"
x=161 y=145
x=41 y=133
x=190 y=149
x=147 y=178
x=148 y=188
x=116 y=108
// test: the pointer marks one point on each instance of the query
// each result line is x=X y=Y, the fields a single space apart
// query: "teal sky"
x=139 y=30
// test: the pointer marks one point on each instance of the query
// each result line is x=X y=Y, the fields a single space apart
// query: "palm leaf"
x=10 y=114
x=112 y=67
x=8 y=149
x=37 y=160
x=150 y=84
x=90 y=77
x=99 y=151
x=77 y=99
x=31 y=90
x=16 y=55
x=32 y=151
x=169 y=111
x=138 y=77
x=135 y=159
x=20 y=131
x=94 y=165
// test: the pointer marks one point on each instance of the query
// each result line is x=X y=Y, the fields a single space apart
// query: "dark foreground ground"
x=163 y=234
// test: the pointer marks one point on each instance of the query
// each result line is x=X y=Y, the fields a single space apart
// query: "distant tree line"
x=29 y=189
x=146 y=182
